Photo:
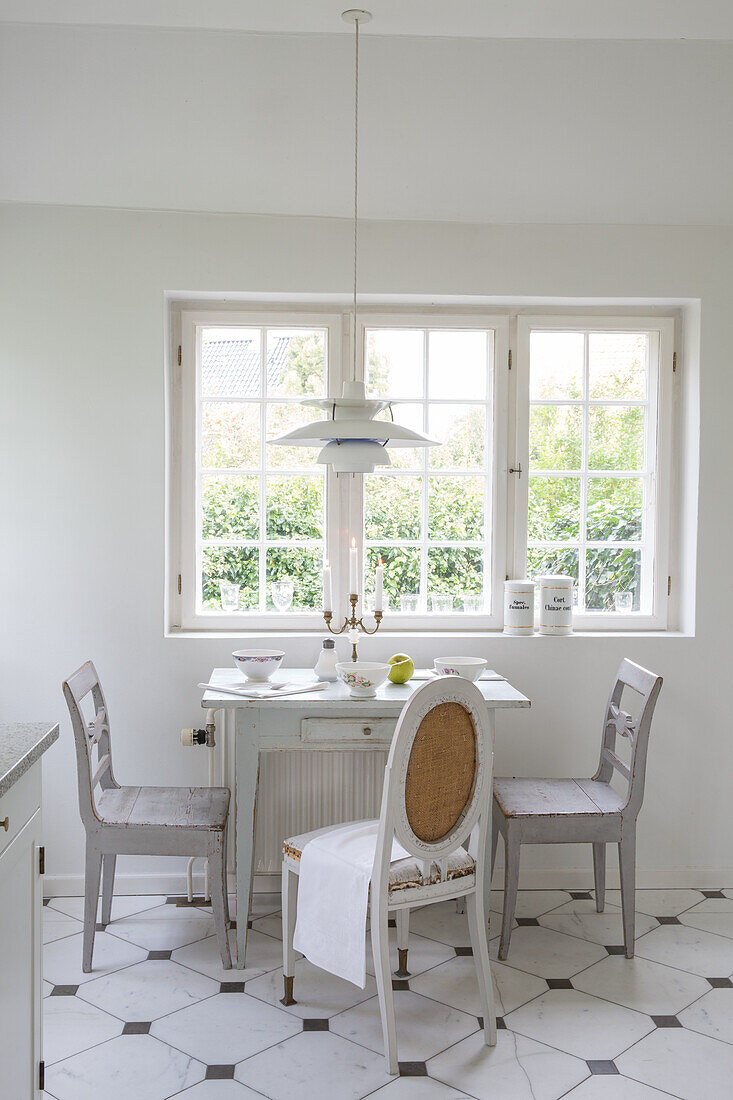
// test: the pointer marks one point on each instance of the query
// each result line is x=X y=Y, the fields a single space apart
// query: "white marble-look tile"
x=658 y=903
x=612 y=1086
x=56 y=926
x=531 y=903
x=424 y=1027
x=148 y=990
x=681 y=1062
x=455 y=983
x=441 y=922
x=579 y=1024
x=203 y=956
x=579 y=918
x=712 y=905
x=163 y=931
x=70 y=1026
x=719 y=923
x=262 y=952
x=123 y=905
x=62 y=959
x=688 y=949
x=219 y=1090
x=226 y=1028
x=271 y=925
x=129 y=1066
x=711 y=1015
x=549 y=954
x=422 y=953
x=516 y=1068
x=417 y=1088
x=47 y=988
x=313 y=1066
x=318 y=994
x=640 y=984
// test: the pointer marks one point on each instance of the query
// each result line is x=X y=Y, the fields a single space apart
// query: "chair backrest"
x=619 y=723
x=437 y=783
x=90 y=736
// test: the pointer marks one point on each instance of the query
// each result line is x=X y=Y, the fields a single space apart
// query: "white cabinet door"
x=20 y=963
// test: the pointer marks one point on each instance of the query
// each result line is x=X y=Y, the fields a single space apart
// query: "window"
x=561 y=464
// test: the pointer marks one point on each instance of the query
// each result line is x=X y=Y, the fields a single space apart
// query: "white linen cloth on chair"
x=333 y=892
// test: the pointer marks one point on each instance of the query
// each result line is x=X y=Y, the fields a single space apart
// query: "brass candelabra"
x=353 y=625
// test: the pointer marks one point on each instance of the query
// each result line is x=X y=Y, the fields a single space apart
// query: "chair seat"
x=553 y=797
x=174 y=807
x=404 y=874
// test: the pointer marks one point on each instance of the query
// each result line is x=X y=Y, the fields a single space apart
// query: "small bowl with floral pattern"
x=362 y=678
x=258 y=664
x=470 y=668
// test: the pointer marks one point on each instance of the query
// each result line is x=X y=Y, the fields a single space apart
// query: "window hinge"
x=674 y=362
x=509 y=359
x=516 y=469
x=179 y=584
x=41 y=861
x=669 y=586
x=42 y=1076
x=179 y=355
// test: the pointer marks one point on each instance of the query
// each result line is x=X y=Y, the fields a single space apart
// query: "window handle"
x=516 y=469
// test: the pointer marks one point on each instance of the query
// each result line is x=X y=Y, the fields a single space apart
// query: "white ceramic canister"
x=556 y=605
x=519 y=607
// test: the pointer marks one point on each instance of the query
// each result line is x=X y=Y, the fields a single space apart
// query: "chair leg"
x=599 y=875
x=93 y=871
x=403 y=934
x=627 y=873
x=511 y=882
x=289 y=911
x=218 y=884
x=109 y=862
x=380 y=951
x=225 y=864
x=495 y=830
x=480 y=948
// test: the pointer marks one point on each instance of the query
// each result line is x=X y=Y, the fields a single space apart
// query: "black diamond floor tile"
x=528 y=922
x=615 y=949
x=220 y=1073
x=398 y=983
x=559 y=983
x=666 y=1021
x=315 y=1024
x=712 y=893
x=158 y=956
x=413 y=1069
x=463 y=951
x=601 y=1066
x=720 y=983
x=64 y=991
x=231 y=987
x=580 y=895
x=137 y=1027
x=668 y=920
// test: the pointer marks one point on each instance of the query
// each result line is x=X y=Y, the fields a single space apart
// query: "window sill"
x=469 y=635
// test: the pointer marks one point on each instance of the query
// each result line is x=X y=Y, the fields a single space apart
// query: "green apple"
x=403 y=668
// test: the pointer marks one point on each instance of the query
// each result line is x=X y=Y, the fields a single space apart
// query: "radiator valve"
x=193 y=737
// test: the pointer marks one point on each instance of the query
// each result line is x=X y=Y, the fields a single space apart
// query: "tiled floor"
x=160 y=1018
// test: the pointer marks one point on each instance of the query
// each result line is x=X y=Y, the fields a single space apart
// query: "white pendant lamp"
x=351 y=441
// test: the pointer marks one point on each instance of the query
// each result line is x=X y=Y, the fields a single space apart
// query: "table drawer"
x=347 y=731
x=19 y=804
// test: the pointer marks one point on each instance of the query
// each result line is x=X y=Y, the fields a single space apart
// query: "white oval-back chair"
x=436 y=801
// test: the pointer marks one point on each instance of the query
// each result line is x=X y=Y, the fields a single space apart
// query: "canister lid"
x=328 y=643
x=519 y=586
x=557 y=582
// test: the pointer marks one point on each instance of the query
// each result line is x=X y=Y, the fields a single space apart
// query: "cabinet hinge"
x=41 y=861
x=179 y=355
x=509 y=359
x=41 y=1076
x=674 y=362
x=669 y=586
x=179 y=584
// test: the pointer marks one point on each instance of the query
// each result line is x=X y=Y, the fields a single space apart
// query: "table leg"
x=247 y=764
x=489 y=823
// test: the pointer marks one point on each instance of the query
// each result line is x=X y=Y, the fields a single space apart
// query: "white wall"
x=82 y=323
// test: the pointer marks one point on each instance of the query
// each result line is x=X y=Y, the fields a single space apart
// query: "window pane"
x=456 y=508
x=562 y=563
x=294 y=507
x=555 y=437
x=410 y=416
x=556 y=365
x=401 y=572
x=461 y=430
x=457 y=364
x=230 y=362
x=234 y=565
x=283 y=418
x=230 y=507
x=616 y=437
x=230 y=434
x=303 y=567
x=554 y=509
x=392 y=507
x=394 y=362
x=455 y=571
x=614 y=508
x=617 y=364
x=296 y=362
x=608 y=573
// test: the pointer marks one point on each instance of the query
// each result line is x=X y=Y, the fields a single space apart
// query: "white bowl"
x=362 y=678
x=258 y=664
x=470 y=668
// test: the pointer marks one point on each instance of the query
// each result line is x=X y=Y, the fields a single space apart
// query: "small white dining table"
x=328 y=719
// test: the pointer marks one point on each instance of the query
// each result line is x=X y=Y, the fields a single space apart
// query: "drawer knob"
x=5 y=824
x=367 y=731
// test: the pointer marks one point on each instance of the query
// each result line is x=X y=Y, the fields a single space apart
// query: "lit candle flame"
x=380 y=560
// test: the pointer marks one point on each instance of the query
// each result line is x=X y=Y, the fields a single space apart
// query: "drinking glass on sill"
x=282 y=594
x=229 y=594
x=473 y=605
x=409 y=603
x=441 y=604
x=624 y=602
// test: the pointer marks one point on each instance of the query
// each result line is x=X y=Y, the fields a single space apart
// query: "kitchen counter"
x=21 y=744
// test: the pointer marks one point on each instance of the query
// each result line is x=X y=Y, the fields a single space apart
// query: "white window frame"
x=657 y=463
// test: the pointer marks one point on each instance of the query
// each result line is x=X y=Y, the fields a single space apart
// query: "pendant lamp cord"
x=356 y=177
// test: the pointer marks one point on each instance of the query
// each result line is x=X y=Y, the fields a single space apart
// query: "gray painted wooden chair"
x=161 y=821
x=572 y=811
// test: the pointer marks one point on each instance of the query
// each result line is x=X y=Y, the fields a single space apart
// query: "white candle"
x=353 y=569
x=327 y=595
x=378 y=583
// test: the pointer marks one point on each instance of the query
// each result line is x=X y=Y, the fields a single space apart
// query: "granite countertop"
x=21 y=744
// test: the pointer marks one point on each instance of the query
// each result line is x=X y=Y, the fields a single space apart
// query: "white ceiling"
x=653 y=19
x=452 y=129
